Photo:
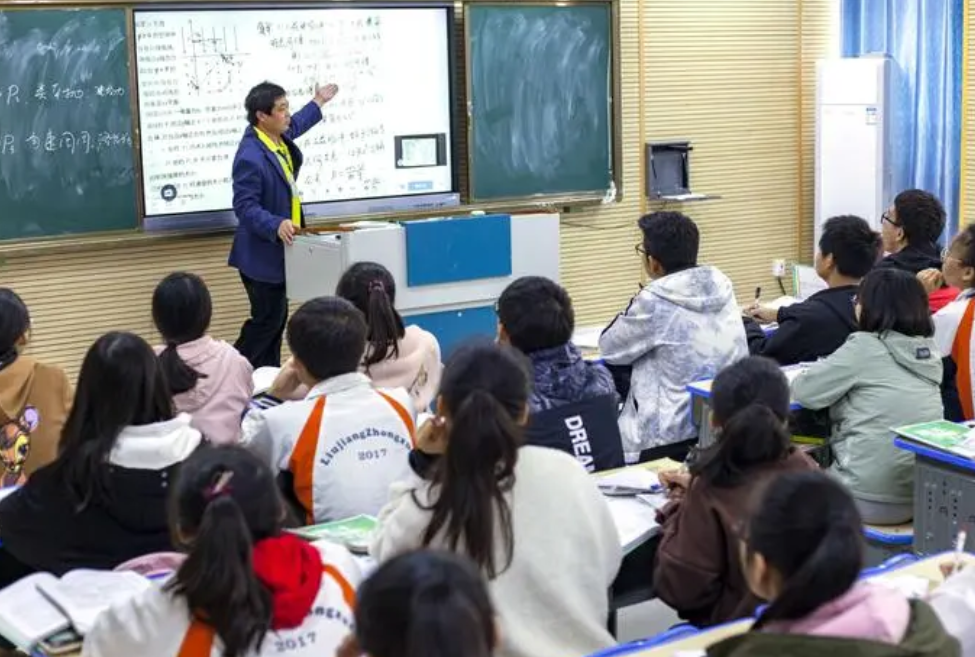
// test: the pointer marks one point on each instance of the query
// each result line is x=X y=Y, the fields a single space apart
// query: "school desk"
x=701 y=403
x=927 y=569
x=944 y=497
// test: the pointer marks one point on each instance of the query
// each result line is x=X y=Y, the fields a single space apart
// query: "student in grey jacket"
x=886 y=375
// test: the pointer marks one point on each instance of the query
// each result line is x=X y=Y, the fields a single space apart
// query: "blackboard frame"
x=616 y=116
x=460 y=125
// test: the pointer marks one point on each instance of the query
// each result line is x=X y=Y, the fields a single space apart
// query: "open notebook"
x=41 y=605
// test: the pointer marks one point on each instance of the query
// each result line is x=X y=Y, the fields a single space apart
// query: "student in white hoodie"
x=103 y=500
x=683 y=326
x=398 y=356
x=247 y=588
x=530 y=517
x=209 y=379
x=347 y=440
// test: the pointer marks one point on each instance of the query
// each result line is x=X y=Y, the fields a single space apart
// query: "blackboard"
x=66 y=158
x=540 y=99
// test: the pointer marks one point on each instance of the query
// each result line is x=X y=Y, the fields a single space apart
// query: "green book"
x=944 y=435
x=354 y=533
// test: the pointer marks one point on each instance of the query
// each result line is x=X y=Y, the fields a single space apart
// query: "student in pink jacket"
x=398 y=356
x=209 y=379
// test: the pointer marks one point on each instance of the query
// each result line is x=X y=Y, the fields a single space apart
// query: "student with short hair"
x=531 y=518
x=209 y=379
x=911 y=230
x=246 y=588
x=818 y=326
x=347 y=440
x=953 y=325
x=683 y=326
x=398 y=356
x=697 y=568
x=802 y=550
x=573 y=402
x=888 y=374
x=34 y=398
x=103 y=500
x=423 y=604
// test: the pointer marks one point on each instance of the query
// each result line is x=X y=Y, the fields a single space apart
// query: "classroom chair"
x=680 y=631
x=885 y=542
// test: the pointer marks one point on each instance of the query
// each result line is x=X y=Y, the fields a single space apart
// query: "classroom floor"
x=643 y=620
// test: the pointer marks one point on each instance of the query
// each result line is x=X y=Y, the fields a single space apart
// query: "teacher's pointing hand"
x=323 y=94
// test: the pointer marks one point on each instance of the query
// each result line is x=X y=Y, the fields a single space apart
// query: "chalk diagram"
x=212 y=58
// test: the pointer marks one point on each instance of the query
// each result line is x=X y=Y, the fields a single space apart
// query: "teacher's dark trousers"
x=260 y=336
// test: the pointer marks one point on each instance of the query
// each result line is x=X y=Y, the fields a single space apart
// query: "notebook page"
x=26 y=616
x=83 y=594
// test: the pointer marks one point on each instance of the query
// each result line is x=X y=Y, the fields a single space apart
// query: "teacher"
x=268 y=208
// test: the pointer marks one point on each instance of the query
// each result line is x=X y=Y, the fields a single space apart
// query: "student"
x=573 y=402
x=911 y=229
x=684 y=326
x=886 y=375
x=423 y=604
x=347 y=441
x=103 y=500
x=34 y=398
x=818 y=326
x=953 y=324
x=697 y=569
x=246 y=587
x=398 y=356
x=802 y=550
x=531 y=518
x=209 y=379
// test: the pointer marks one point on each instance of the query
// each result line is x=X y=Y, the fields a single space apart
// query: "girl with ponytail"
x=802 y=550
x=247 y=588
x=423 y=604
x=209 y=379
x=398 y=356
x=522 y=514
x=698 y=571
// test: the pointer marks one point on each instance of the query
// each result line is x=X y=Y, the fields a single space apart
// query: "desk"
x=586 y=338
x=944 y=497
x=701 y=403
x=926 y=568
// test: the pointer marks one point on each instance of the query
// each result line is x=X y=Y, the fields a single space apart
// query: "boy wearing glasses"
x=683 y=326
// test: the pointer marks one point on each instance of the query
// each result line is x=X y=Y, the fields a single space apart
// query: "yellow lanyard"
x=284 y=158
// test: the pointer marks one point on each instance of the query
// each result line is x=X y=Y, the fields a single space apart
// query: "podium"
x=449 y=271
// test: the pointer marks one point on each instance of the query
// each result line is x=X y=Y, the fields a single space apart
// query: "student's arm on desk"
x=780 y=346
x=256 y=435
x=631 y=335
x=688 y=573
x=827 y=381
x=401 y=522
x=954 y=603
x=127 y=628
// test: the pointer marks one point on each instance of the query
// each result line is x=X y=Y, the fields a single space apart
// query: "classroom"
x=515 y=328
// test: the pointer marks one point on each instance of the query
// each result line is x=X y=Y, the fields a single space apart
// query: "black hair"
x=921 y=215
x=484 y=393
x=328 y=336
x=894 y=300
x=14 y=323
x=371 y=288
x=807 y=527
x=672 y=239
x=261 y=99
x=425 y=604
x=536 y=314
x=225 y=501
x=181 y=310
x=855 y=246
x=750 y=403
x=121 y=384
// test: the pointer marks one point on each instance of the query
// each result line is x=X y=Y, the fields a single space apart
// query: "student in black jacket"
x=103 y=500
x=573 y=404
x=818 y=326
x=911 y=228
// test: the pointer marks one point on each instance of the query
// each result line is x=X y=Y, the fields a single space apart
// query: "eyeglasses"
x=886 y=217
x=640 y=251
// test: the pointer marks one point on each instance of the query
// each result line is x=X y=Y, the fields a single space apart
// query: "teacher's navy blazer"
x=262 y=199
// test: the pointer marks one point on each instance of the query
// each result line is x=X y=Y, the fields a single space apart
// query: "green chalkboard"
x=540 y=99
x=66 y=159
